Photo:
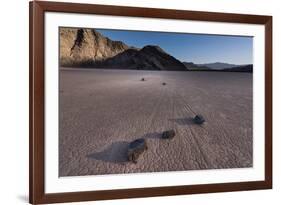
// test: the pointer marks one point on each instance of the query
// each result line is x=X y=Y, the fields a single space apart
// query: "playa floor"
x=102 y=111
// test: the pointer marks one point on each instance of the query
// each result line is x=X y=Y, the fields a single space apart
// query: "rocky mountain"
x=83 y=46
x=89 y=48
x=148 y=58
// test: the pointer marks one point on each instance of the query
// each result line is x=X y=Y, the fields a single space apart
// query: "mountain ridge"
x=220 y=65
x=223 y=67
x=89 y=48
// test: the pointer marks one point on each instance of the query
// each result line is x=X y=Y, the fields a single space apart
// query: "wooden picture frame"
x=37 y=193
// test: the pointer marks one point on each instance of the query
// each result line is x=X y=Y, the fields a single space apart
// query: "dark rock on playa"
x=142 y=79
x=164 y=83
x=169 y=134
x=136 y=148
x=198 y=119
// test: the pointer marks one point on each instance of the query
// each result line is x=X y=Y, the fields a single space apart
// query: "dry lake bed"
x=102 y=111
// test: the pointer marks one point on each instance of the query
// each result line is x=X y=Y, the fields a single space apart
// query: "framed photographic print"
x=139 y=102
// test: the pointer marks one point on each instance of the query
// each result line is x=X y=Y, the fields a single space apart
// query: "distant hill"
x=195 y=67
x=221 y=67
x=243 y=68
x=218 y=65
x=89 y=48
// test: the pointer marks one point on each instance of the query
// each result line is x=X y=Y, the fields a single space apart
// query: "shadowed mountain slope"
x=148 y=58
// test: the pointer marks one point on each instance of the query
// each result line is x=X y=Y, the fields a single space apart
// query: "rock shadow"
x=183 y=121
x=152 y=135
x=116 y=153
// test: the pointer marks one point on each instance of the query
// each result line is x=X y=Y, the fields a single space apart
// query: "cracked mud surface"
x=102 y=111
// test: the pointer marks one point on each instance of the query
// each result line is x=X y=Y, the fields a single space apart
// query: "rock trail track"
x=102 y=111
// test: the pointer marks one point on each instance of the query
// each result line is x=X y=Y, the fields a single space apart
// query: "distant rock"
x=198 y=119
x=142 y=79
x=164 y=83
x=136 y=148
x=169 y=134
